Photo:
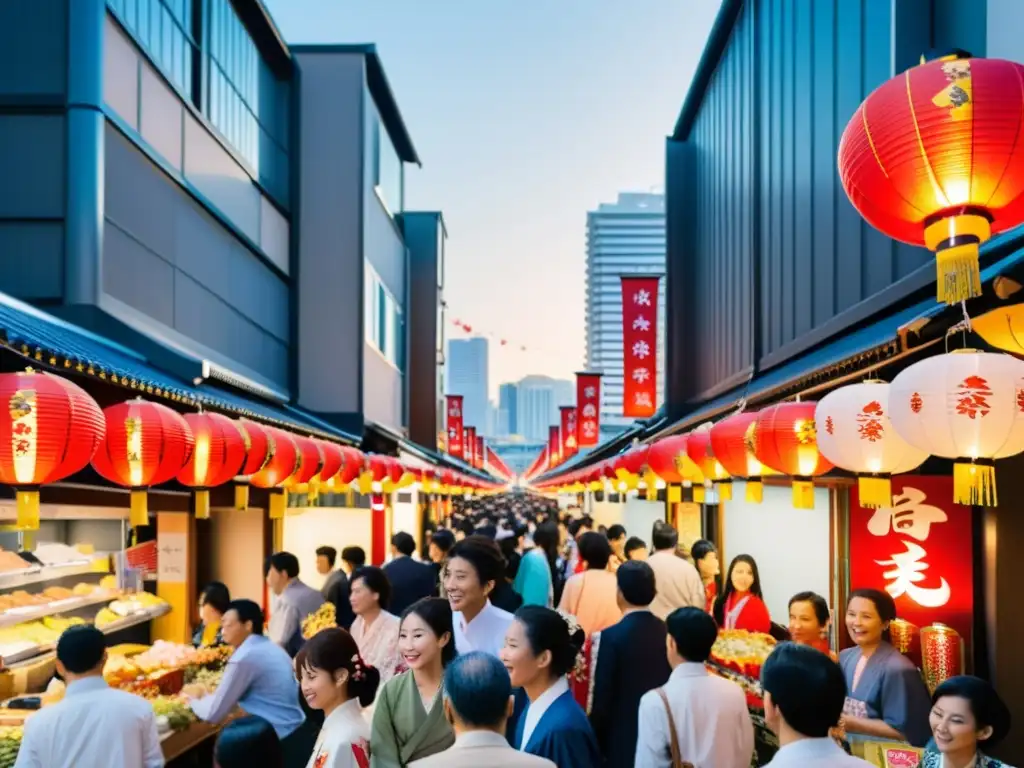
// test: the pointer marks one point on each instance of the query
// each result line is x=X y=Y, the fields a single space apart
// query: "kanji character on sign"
x=640 y=375
x=643 y=400
x=907 y=571
x=589 y=410
x=589 y=428
x=455 y=411
x=590 y=392
x=642 y=298
x=641 y=323
x=908 y=515
x=453 y=433
x=641 y=350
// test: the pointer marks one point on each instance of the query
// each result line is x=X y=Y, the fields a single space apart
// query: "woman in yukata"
x=967 y=719
x=409 y=721
x=887 y=698
x=335 y=680
x=741 y=604
x=374 y=629
x=541 y=648
x=809 y=620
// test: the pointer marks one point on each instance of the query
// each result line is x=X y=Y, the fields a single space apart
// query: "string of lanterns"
x=55 y=429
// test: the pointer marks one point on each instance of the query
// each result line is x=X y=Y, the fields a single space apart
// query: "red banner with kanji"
x=588 y=409
x=567 y=430
x=469 y=439
x=554 y=446
x=639 y=345
x=456 y=446
x=478 y=457
x=919 y=551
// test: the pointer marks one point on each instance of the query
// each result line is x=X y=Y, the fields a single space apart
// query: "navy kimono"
x=563 y=735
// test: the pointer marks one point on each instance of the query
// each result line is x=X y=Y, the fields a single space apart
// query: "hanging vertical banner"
x=639 y=345
x=480 y=453
x=470 y=438
x=554 y=446
x=454 y=425
x=588 y=409
x=570 y=442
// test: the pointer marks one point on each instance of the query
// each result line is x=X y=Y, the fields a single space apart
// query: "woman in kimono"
x=409 y=721
x=967 y=719
x=705 y=558
x=887 y=698
x=374 y=629
x=534 y=581
x=338 y=682
x=590 y=595
x=741 y=604
x=541 y=648
x=809 y=620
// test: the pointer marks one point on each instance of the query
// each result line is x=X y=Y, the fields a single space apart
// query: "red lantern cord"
x=218 y=454
x=257 y=453
x=52 y=430
x=146 y=444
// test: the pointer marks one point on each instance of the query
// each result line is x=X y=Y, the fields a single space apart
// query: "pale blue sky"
x=526 y=114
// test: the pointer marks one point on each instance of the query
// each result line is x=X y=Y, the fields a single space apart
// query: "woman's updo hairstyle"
x=436 y=613
x=548 y=630
x=332 y=650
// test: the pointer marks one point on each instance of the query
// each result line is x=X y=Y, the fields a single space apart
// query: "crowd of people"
x=524 y=636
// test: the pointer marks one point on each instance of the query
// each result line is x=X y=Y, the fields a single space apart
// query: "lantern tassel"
x=139 y=511
x=28 y=510
x=313 y=493
x=278 y=504
x=803 y=494
x=874 y=491
x=350 y=498
x=202 y=505
x=699 y=494
x=974 y=484
x=724 y=490
x=242 y=497
x=674 y=494
x=958 y=273
x=755 y=491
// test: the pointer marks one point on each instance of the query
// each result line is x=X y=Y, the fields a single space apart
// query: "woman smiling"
x=474 y=566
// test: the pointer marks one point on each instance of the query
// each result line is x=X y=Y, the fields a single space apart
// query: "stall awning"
x=48 y=342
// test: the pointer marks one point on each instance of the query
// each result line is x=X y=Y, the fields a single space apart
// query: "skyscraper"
x=625 y=237
x=508 y=412
x=537 y=401
x=467 y=376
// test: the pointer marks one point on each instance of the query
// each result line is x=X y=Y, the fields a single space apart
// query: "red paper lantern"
x=146 y=444
x=701 y=453
x=935 y=157
x=256 y=440
x=334 y=460
x=311 y=461
x=52 y=430
x=732 y=440
x=353 y=465
x=282 y=461
x=218 y=454
x=785 y=439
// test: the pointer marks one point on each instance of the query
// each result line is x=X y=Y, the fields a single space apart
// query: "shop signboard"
x=454 y=425
x=588 y=409
x=918 y=550
x=640 y=345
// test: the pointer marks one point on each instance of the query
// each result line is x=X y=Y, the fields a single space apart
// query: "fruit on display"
x=105 y=617
x=120 y=670
x=325 y=617
x=10 y=743
x=178 y=713
x=163 y=655
x=59 y=623
x=741 y=651
x=58 y=593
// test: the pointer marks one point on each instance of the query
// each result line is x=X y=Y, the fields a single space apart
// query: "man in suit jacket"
x=477 y=703
x=804 y=693
x=410 y=580
x=630 y=661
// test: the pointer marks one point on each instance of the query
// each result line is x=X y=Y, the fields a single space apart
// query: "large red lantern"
x=334 y=460
x=701 y=452
x=785 y=438
x=935 y=157
x=311 y=461
x=732 y=440
x=256 y=440
x=146 y=444
x=218 y=454
x=282 y=461
x=52 y=430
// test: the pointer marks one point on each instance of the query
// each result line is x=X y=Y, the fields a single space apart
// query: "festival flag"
x=640 y=345
x=478 y=457
x=454 y=425
x=588 y=409
x=554 y=446
x=470 y=441
x=570 y=442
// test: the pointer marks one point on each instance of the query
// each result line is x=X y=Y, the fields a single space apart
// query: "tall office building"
x=508 y=412
x=467 y=376
x=624 y=237
x=537 y=402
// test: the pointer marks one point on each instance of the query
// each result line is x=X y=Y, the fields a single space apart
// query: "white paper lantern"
x=855 y=434
x=967 y=406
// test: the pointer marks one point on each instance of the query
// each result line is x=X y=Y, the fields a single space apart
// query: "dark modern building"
x=182 y=182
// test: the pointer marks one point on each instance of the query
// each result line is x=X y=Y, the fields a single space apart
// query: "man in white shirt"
x=293 y=601
x=709 y=713
x=804 y=692
x=679 y=583
x=478 y=703
x=95 y=726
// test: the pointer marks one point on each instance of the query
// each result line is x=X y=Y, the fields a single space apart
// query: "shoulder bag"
x=677 y=757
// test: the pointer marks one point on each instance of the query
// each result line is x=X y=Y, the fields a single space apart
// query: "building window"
x=388 y=174
x=384 y=320
x=163 y=28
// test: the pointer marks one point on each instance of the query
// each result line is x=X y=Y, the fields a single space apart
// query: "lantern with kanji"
x=702 y=453
x=256 y=441
x=52 y=430
x=855 y=434
x=146 y=444
x=966 y=406
x=935 y=157
x=732 y=441
x=785 y=439
x=282 y=461
x=217 y=455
